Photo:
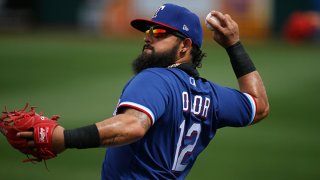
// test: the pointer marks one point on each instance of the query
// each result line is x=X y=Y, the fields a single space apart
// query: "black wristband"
x=82 y=138
x=240 y=60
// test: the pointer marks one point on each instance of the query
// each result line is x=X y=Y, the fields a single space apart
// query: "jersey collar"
x=189 y=68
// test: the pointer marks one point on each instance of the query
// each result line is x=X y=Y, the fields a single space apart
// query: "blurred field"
x=80 y=78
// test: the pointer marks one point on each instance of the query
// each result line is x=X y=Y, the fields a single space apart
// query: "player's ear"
x=186 y=45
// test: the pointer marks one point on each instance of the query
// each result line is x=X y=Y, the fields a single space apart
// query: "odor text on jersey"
x=198 y=105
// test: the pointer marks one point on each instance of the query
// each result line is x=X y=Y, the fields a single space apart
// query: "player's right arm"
x=227 y=35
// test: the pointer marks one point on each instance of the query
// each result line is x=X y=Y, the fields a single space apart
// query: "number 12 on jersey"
x=178 y=165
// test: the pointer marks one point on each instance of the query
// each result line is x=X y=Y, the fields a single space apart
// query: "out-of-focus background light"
x=291 y=20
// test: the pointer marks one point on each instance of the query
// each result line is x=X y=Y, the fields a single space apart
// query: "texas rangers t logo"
x=160 y=8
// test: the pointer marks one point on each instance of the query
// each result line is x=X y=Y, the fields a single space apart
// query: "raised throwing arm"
x=226 y=33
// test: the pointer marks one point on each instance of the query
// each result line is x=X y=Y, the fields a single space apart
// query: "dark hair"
x=197 y=56
x=196 y=53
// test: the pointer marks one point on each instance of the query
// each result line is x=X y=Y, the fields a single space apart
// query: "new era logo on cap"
x=176 y=18
x=185 y=27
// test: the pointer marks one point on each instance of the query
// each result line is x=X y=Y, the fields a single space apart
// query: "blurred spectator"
x=303 y=26
x=90 y=14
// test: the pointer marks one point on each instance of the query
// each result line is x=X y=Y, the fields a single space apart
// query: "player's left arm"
x=124 y=128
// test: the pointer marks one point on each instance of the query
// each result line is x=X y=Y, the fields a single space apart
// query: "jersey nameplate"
x=198 y=105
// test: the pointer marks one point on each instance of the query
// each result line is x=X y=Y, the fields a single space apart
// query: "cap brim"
x=145 y=24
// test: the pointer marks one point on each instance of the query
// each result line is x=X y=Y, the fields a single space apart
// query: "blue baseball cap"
x=176 y=18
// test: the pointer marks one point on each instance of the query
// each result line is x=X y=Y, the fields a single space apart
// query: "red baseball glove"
x=17 y=121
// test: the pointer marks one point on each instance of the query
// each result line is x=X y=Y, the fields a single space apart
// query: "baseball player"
x=167 y=114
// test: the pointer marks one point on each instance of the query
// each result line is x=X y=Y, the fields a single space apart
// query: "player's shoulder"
x=164 y=73
x=152 y=75
x=157 y=70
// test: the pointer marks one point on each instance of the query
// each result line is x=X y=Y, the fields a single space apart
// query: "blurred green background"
x=67 y=63
x=80 y=78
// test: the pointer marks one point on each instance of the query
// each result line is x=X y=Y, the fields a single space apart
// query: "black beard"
x=144 y=60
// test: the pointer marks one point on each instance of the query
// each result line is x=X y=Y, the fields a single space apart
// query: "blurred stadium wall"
x=258 y=19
